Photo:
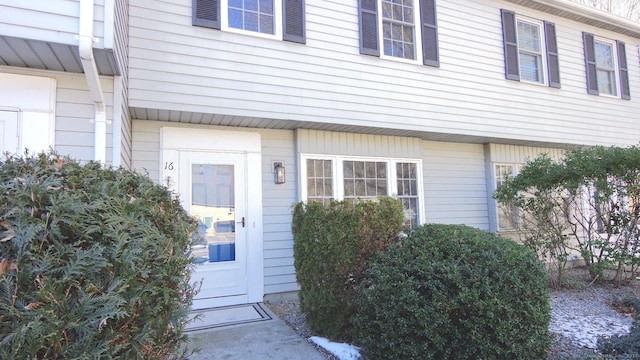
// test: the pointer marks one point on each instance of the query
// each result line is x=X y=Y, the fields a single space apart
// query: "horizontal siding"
x=277 y=145
x=53 y=21
x=277 y=200
x=74 y=134
x=178 y=67
x=454 y=184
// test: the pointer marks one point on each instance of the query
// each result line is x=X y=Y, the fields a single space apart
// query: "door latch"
x=241 y=222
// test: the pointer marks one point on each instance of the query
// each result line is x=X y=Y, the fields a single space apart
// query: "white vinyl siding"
x=454 y=184
x=179 y=67
x=50 y=20
x=277 y=145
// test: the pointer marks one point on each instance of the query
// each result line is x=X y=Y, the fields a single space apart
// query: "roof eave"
x=584 y=14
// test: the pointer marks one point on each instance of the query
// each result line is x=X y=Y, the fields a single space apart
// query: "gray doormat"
x=227 y=315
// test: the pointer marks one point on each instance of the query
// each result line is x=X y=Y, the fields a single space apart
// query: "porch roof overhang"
x=37 y=54
x=182 y=117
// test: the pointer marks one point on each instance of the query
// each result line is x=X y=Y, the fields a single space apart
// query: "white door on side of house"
x=218 y=177
x=9 y=132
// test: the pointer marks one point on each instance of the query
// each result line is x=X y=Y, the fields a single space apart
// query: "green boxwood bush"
x=333 y=246
x=94 y=263
x=454 y=292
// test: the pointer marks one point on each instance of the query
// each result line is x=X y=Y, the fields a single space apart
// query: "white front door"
x=8 y=132
x=217 y=175
x=214 y=189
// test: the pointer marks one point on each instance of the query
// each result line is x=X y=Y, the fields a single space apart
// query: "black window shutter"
x=206 y=13
x=552 y=54
x=429 y=33
x=590 y=64
x=368 y=10
x=293 y=21
x=510 y=40
x=625 y=92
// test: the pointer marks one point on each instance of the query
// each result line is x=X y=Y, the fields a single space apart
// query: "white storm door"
x=213 y=190
x=9 y=132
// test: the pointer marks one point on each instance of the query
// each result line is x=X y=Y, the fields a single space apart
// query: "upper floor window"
x=268 y=18
x=409 y=29
x=606 y=67
x=398 y=29
x=530 y=50
x=252 y=15
x=352 y=179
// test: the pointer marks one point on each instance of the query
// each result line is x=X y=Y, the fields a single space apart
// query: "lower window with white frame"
x=351 y=179
x=508 y=217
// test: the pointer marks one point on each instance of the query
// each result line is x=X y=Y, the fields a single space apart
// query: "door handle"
x=241 y=222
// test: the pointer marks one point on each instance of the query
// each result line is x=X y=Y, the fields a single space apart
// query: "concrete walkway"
x=272 y=339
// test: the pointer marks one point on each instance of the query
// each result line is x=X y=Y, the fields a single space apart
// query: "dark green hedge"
x=333 y=246
x=454 y=292
x=95 y=263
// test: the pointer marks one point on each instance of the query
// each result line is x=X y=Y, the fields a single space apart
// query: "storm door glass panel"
x=213 y=204
x=407 y=177
x=319 y=181
x=364 y=180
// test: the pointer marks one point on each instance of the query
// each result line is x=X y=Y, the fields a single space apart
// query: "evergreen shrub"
x=454 y=292
x=94 y=263
x=332 y=246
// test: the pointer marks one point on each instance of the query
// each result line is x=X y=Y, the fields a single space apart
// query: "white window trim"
x=277 y=21
x=616 y=66
x=543 y=50
x=417 y=29
x=516 y=168
x=338 y=176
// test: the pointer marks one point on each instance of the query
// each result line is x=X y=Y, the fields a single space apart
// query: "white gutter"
x=85 y=48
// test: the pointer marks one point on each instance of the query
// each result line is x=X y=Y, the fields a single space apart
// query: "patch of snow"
x=340 y=350
x=586 y=319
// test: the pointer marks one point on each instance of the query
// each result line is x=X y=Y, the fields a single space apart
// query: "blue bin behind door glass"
x=222 y=252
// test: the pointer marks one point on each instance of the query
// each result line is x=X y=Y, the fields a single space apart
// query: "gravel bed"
x=580 y=316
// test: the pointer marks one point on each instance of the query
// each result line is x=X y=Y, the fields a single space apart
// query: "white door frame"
x=175 y=140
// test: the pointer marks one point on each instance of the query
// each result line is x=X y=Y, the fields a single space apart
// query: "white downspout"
x=85 y=48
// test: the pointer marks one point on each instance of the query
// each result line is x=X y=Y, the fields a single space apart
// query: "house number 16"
x=168 y=165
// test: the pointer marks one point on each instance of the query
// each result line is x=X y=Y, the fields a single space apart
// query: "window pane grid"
x=507 y=216
x=252 y=15
x=530 y=51
x=407 y=179
x=364 y=179
x=605 y=66
x=398 y=28
x=319 y=181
